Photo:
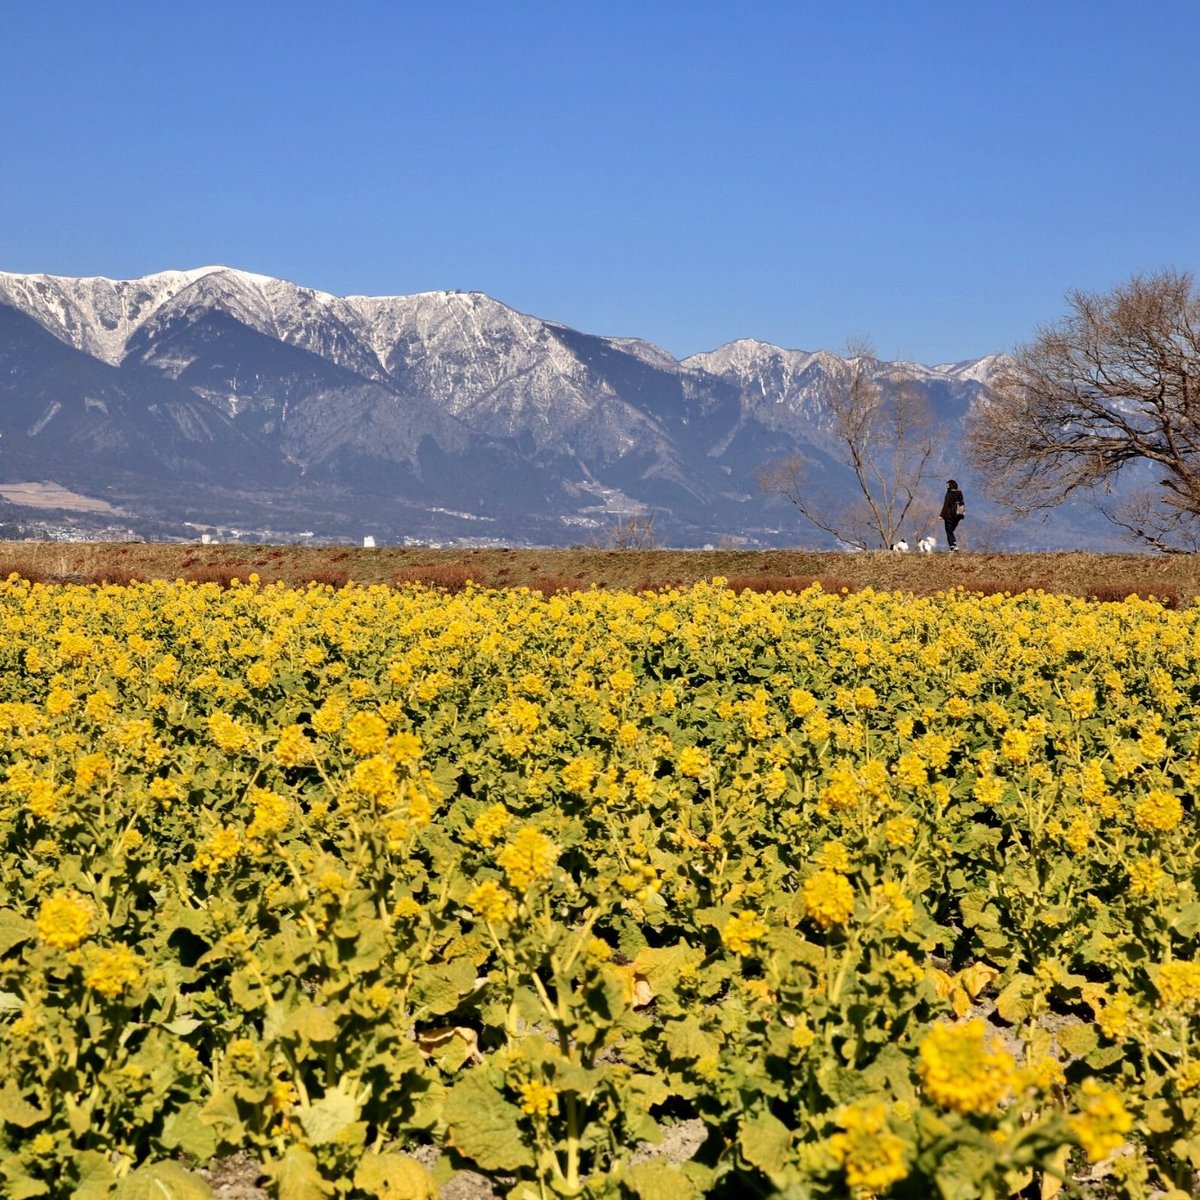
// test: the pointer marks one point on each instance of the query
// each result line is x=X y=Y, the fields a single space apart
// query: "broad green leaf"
x=328 y=1117
x=484 y=1126
x=163 y=1181
x=96 y=1176
x=18 y=1184
x=793 y=945
x=370 y=945
x=14 y=929
x=1187 y=921
x=313 y=1022
x=182 y=1026
x=766 y=1143
x=186 y=1130
x=394 y=1177
x=296 y=1176
x=78 y=1116
x=1187 y=1149
x=977 y=913
x=1104 y=1056
x=1015 y=1002
x=687 y=1040
x=438 y=989
x=16 y=1110
x=958 y=1174
x=658 y=1180
x=1079 y=1039
x=221 y=1112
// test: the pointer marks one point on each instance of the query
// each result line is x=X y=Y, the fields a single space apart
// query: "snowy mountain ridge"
x=437 y=402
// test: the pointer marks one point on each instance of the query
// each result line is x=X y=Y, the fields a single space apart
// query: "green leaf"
x=1104 y=1056
x=688 y=1041
x=438 y=989
x=1015 y=1002
x=19 y=1184
x=1187 y=922
x=186 y=1130
x=182 y=1026
x=658 y=1180
x=163 y=1181
x=977 y=913
x=1078 y=1040
x=16 y=1110
x=296 y=1176
x=328 y=1117
x=959 y=1172
x=793 y=945
x=14 y=929
x=1188 y=1149
x=766 y=1143
x=394 y=1177
x=221 y=1112
x=484 y=1126
x=370 y=945
x=312 y=1022
x=96 y=1176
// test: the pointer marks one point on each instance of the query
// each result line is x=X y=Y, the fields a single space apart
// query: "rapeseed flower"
x=491 y=902
x=65 y=920
x=529 y=857
x=538 y=1099
x=490 y=824
x=828 y=898
x=113 y=970
x=365 y=733
x=1178 y=985
x=1102 y=1122
x=741 y=931
x=1159 y=810
x=965 y=1069
x=872 y=1156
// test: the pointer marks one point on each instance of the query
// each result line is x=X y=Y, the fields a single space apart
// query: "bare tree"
x=1114 y=383
x=630 y=531
x=885 y=432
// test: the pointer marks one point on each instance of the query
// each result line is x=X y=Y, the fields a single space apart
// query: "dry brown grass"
x=1174 y=579
x=29 y=571
x=550 y=585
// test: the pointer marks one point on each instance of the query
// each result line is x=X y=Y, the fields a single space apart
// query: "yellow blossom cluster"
x=580 y=859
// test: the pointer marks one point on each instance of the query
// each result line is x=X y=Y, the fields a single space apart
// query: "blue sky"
x=933 y=175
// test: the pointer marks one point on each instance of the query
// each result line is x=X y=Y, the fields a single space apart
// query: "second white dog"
x=926 y=544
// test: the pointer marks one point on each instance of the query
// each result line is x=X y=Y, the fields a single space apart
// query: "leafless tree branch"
x=1115 y=382
x=885 y=429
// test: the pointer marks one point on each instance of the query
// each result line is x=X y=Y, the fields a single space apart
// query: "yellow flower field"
x=897 y=896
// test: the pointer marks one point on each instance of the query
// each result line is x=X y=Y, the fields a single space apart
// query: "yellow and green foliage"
x=896 y=896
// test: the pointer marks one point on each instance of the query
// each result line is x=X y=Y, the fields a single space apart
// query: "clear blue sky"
x=933 y=175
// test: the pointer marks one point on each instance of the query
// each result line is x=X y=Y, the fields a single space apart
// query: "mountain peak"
x=217 y=386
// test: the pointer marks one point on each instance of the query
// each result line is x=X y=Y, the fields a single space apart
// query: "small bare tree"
x=885 y=431
x=631 y=531
x=1114 y=383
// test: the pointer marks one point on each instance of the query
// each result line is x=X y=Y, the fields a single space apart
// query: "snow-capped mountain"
x=191 y=395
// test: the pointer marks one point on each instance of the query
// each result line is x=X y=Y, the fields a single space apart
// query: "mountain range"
x=219 y=398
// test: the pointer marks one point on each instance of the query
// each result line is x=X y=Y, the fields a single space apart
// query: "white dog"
x=901 y=545
x=926 y=544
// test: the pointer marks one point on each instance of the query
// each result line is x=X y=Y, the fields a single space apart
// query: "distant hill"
x=218 y=397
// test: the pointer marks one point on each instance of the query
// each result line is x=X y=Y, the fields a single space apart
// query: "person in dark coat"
x=953 y=510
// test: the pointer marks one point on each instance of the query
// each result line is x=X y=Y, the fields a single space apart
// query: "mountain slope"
x=442 y=414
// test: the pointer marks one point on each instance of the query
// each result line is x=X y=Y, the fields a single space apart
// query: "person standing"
x=953 y=510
